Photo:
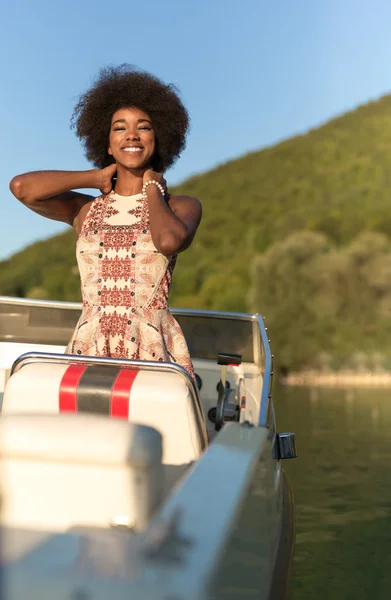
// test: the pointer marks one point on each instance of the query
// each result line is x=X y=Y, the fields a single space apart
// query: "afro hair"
x=124 y=87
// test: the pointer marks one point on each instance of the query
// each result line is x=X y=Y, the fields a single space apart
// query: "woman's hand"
x=106 y=176
x=158 y=177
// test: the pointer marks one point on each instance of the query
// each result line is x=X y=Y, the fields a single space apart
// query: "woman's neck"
x=129 y=183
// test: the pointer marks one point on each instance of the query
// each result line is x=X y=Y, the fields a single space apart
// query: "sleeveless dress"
x=125 y=284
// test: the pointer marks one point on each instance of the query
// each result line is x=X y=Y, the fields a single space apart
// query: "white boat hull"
x=224 y=530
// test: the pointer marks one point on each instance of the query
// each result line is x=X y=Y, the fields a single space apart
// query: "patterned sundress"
x=125 y=284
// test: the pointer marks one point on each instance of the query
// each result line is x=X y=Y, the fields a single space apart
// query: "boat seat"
x=164 y=400
x=59 y=472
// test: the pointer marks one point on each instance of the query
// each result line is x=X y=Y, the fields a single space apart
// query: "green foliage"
x=45 y=269
x=296 y=212
x=319 y=299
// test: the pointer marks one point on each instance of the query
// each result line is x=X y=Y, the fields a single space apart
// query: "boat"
x=127 y=479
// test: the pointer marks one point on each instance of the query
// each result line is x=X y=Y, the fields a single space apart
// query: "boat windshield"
x=207 y=336
x=53 y=323
x=35 y=324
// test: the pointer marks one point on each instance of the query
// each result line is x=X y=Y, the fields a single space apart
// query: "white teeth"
x=132 y=149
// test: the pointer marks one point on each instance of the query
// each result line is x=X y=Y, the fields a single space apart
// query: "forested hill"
x=335 y=180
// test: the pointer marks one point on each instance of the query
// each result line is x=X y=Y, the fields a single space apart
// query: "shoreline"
x=337 y=379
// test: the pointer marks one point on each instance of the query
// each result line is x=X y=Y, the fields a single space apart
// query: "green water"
x=342 y=487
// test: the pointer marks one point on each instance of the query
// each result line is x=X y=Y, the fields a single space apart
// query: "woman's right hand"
x=106 y=177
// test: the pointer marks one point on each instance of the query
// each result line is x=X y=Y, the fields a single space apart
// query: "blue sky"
x=251 y=72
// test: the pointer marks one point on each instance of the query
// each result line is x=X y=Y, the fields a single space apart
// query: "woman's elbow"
x=16 y=187
x=170 y=244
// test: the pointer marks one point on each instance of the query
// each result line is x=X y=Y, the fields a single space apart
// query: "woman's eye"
x=119 y=128
x=147 y=128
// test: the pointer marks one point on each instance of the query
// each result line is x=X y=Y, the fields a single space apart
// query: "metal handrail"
x=267 y=375
x=79 y=306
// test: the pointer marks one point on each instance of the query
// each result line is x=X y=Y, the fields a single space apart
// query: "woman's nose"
x=133 y=135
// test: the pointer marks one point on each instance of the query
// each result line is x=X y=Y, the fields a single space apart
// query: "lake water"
x=342 y=487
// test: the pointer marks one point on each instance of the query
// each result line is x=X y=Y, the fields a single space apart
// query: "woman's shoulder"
x=179 y=200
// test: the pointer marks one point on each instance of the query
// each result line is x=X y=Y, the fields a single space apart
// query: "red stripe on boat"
x=68 y=388
x=120 y=393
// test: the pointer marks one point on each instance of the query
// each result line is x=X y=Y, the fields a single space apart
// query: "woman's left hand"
x=158 y=177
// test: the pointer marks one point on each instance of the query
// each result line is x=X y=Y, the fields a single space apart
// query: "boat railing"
x=267 y=359
x=259 y=352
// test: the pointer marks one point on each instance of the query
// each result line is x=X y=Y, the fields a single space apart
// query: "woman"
x=134 y=126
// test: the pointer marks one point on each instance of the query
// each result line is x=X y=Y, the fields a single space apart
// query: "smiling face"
x=132 y=138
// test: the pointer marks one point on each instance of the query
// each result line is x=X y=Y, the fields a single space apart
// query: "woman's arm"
x=173 y=224
x=50 y=193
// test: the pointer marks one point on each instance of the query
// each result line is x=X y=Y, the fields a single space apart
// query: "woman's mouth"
x=133 y=149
